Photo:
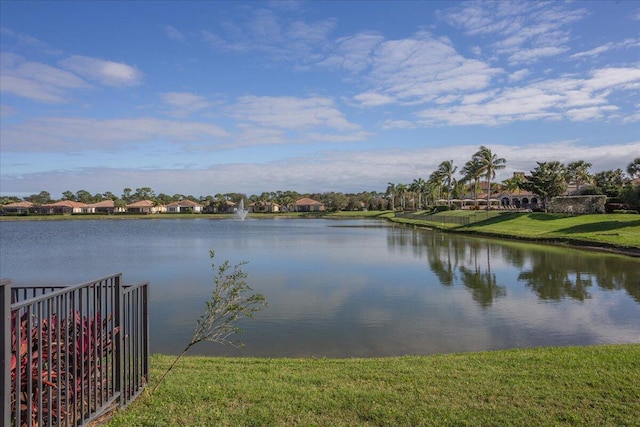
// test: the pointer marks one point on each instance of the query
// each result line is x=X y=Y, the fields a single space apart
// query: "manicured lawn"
x=597 y=385
x=615 y=230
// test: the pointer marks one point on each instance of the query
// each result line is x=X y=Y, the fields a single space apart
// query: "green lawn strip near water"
x=595 y=385
x=614 y=230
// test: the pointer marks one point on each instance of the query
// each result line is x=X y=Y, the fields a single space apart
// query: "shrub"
x=610 y=207
x=77 y=345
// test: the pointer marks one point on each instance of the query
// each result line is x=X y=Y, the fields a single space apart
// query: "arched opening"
x=505 y=201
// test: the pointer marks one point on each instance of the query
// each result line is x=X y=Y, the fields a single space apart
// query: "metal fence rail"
x=72 y=353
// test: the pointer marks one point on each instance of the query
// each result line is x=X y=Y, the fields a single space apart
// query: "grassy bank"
x=597 y=385
x=608 y=230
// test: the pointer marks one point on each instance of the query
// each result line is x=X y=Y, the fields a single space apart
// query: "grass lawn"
x=597 y=385
x=614 y=230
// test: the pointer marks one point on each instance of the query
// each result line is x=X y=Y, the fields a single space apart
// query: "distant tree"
x=144 y=193
x=446 y=170
x=547 y=180
x=391 y=195
x=401 y=191
x=41 y=198
x=578 y=172
x=108 y=195
x=489 y=164
x=513 y=184
x=609 y=182
x=84 y=196
x=127 y=196
x=633 y=168
x=68 y=195
x=418 y=187
x=435 y=179
x=630 y=196
x=472 y=172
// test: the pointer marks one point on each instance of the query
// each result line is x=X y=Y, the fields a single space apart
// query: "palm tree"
x=578 y=172
x=489 y=164
x=401 y=190
x=418 y=186
x=446 y=171
x=472 y=172
x=513 y=184
x=633 y=168
x=391 y=193
x=436 y=181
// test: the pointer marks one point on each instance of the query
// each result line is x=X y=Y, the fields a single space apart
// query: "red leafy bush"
x=55 y=363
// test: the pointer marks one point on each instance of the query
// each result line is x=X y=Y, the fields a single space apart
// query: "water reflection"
x=552 y=273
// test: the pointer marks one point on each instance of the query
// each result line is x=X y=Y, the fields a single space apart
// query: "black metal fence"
x=72 y=353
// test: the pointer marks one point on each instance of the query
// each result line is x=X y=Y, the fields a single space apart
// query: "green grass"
x=621 y=230
x=609 y=230
x=597 y=385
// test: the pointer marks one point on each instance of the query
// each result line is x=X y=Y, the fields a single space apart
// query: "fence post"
x=119 y=339
x=145 y=360
x=5 y=337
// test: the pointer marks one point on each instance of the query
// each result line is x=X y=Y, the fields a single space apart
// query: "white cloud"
x=421 y=68
x=291 y=113
x=320 y=171
x=105 y=72
x=574 y=99
x=532 y=55
x=173 y=33
x=353 y=53
x=516 y=76
x=373 y=99
x=524 y=31
x=37 y=81
x=184 y=103
x=80 y=134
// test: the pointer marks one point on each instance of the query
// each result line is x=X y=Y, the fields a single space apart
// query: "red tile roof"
x=141 y=204
x=307 y=201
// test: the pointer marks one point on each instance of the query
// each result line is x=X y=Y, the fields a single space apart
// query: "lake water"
x=343 y=288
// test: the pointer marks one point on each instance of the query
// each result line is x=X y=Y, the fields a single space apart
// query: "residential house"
x=145 y=207
x=105 y=207
x=264 y=207
x=17 y=208
x=309 y=205
x=184 y=206
x=64 y=207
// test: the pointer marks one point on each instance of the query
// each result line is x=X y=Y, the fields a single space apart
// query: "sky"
x=200 y=98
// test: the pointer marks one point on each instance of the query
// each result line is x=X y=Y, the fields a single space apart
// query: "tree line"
x=447 y=182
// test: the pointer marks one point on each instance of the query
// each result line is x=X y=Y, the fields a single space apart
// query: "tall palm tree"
x=489 y=164
x=472 y=172
x=578 y=172
x=436 y=181
x=401 y=190
x=446 y=171
x=418 y=186
x=391 y=194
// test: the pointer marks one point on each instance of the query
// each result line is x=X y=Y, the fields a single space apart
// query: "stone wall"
x=578 y=204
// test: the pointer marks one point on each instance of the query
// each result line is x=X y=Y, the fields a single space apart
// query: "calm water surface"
x=343 y=288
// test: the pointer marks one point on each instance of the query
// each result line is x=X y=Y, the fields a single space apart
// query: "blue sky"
x=215 y=97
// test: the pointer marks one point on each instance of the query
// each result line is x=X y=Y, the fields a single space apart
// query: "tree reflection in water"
x=552 y=273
